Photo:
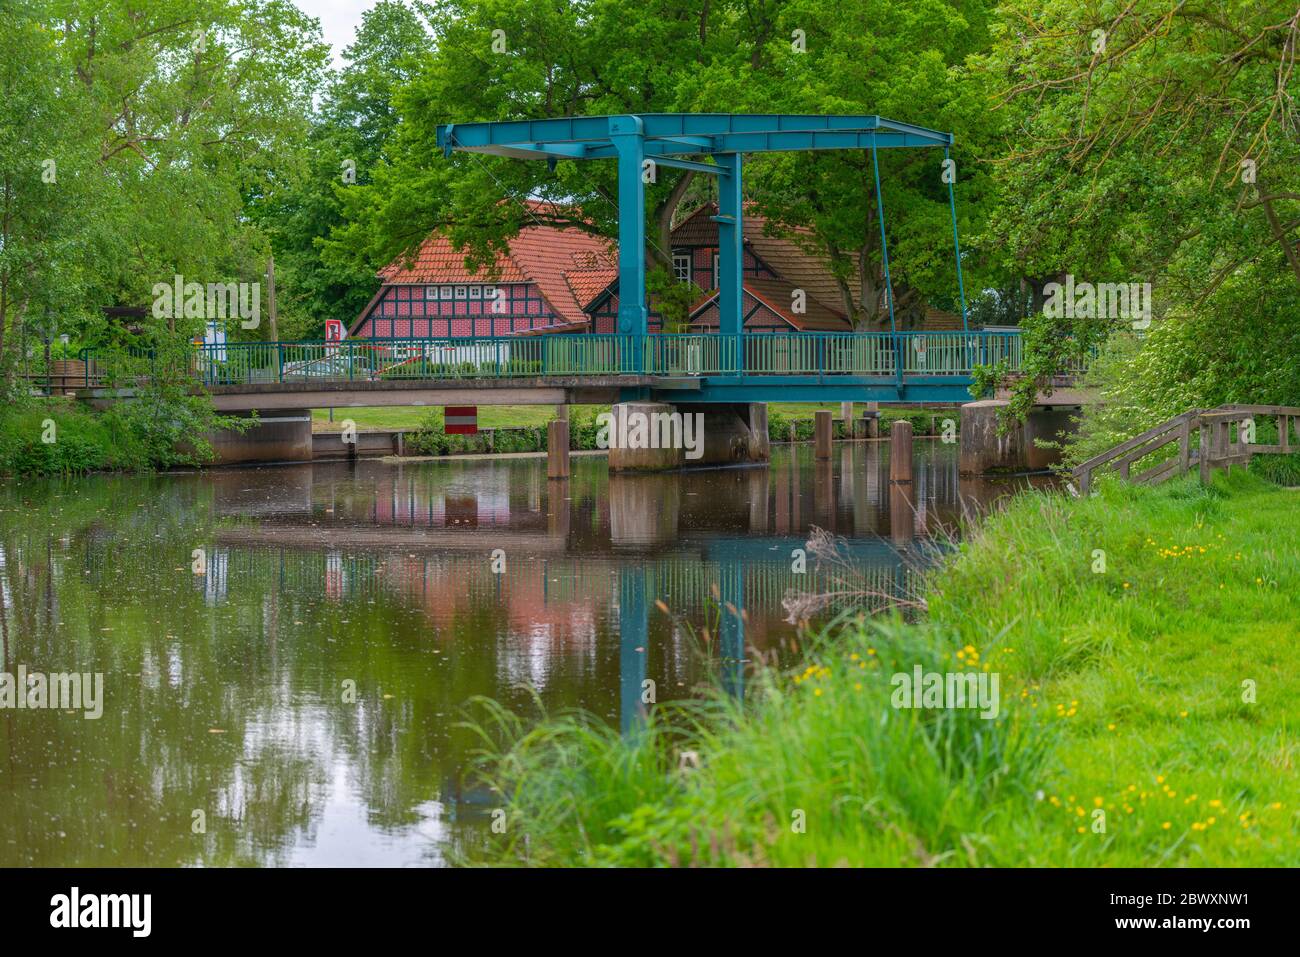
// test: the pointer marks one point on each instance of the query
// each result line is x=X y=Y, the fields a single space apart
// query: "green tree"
x=348 y=136
x=896 y=59
x=161 y=118
x=512 y=59
x=1156 y=143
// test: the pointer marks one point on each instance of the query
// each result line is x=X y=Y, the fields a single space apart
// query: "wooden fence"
x=1170 y=445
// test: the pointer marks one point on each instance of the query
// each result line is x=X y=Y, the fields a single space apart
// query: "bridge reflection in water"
x=224 y=677
x=679 y=551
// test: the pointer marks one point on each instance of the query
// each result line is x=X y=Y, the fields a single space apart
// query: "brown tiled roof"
x=784 y=254
x=941 y=319
x=547 y=257
x=777 y=295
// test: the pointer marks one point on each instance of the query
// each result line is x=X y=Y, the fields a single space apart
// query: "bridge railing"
x=877 y=354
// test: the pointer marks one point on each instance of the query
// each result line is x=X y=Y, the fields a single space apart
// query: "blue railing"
x=904 y=355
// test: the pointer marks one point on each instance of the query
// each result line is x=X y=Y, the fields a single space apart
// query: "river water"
x=288 y=653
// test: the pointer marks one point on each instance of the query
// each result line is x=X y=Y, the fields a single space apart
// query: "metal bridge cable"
x=956 y=244
x=884 y=246
x=601 y=193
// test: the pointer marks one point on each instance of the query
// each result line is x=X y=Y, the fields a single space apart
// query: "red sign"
x=333 y=330
x=460 y=420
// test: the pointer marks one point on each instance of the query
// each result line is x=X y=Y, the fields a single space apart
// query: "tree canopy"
x=1152 y=142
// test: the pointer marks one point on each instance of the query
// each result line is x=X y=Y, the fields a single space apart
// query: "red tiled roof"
x=437 y=262
x=587 y=284
x=569 y=266
x=572 y=268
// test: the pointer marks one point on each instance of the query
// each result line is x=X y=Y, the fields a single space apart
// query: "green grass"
x=1123 y=692
x=506 y=416
x=1282 y=469
x=399 y=417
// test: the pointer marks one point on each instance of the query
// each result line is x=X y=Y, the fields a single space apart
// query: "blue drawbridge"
x=731 y=365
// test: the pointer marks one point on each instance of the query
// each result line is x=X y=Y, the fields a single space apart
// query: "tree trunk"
x=273 y=325
x=664 y=219
x=1275 y=226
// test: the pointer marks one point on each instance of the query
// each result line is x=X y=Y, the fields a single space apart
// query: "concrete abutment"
x=984 y=449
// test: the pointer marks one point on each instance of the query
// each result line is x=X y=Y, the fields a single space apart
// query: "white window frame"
x=689 y=268
x=489 y=292
x=462 y=292
x=430 y=292
x=444 y=292
x=476 y=292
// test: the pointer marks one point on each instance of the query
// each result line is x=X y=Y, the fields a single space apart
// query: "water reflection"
x=227 y=691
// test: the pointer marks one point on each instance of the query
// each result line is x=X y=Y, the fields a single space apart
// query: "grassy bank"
x=164 y=426
x=1145 y=644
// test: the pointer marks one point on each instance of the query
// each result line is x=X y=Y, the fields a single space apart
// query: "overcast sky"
x=339 y=20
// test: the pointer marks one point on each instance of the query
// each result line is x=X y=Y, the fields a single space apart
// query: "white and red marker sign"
x=334 y=331
x=460 y=420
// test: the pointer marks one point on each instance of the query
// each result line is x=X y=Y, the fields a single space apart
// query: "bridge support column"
x=281 y=435
x=984 y=450
x=657 y=436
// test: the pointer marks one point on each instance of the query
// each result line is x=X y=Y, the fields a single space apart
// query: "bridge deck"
x=688 y=368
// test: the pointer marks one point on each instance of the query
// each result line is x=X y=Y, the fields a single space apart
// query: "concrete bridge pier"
x=659 y=436
x=281 y=435
x=984 y=450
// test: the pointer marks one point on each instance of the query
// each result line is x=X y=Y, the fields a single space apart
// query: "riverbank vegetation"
x=164 y=427
x=1143 y=639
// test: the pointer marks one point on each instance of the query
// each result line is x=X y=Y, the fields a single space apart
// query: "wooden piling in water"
x=822 y=434
x=557 y=449
x=900 y=453
x=901 y=509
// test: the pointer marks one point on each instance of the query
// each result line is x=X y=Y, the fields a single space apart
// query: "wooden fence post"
x=1206 y=452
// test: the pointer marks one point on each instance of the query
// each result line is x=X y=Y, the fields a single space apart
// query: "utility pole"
x=270 y=297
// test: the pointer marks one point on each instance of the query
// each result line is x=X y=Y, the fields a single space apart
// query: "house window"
x=489 y=292
x=461 y=292
x=682 y=266
x=476 y=292
x=444 y=292
x=430 y=292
